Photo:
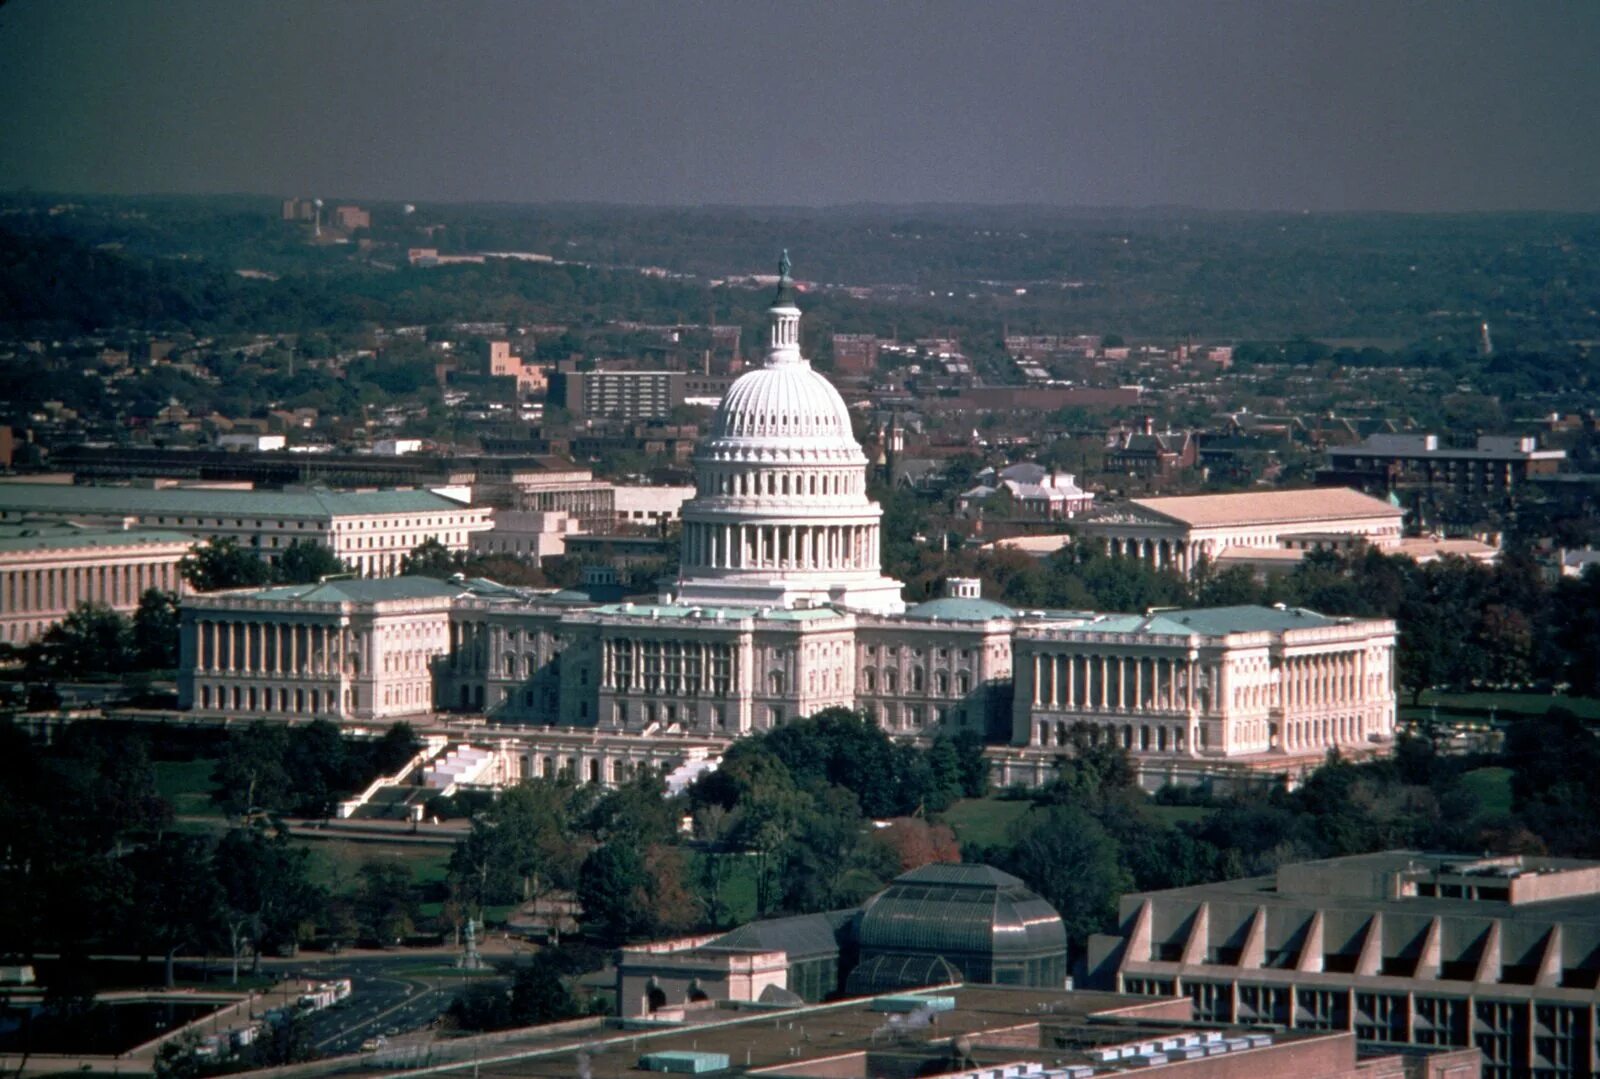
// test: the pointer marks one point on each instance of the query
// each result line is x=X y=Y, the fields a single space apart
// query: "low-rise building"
x=1406 y=950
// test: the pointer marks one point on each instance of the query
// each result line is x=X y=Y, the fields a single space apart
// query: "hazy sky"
x=1256 y=105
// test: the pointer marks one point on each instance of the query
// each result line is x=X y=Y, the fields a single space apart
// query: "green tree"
x=386 y=909
x=91 y=640
x=155 y=630
x=266 y=884
x=221 y=563
x=430 y=558
x=613 y=892
x=1066 y=856
x=250 y=776
x=175 y=897
x=307 y=562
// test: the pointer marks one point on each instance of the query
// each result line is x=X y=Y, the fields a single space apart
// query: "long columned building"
x=370 y=531
x=47 y=570
x=1180 y=532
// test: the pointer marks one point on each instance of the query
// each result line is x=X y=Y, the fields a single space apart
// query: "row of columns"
x=275 y=648
x=1145 y=738
x=1319 y=681
x=1114 y=683
x=781 y=547
x=745 y=482
x=1182 y=555
x=687 y=667
x=51 y=589
x=1324 y=732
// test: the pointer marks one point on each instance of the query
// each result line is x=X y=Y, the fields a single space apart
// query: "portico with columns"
x=353 y=650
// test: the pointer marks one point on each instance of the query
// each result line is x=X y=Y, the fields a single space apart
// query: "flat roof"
x=353 y=590
x=1210 y=621
x=1268 y=507
x=52 y=537
x=207 y=502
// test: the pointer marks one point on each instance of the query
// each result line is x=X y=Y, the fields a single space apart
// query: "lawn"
x=1493 y=788
x=187 y=785
x=1505 y=705
x=336 y=863
x=984 y=821
x=1173 y=815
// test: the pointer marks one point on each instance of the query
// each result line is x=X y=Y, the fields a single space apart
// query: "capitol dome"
x=780 y=516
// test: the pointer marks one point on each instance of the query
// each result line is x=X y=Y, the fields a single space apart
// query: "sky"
x=1339 y=105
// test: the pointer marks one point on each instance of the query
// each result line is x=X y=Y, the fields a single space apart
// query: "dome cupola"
x=780 y=515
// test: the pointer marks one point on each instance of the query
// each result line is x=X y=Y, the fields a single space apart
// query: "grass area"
x=984 y=821
x=1493 y=788
x=187 y=785
x=1506 y=705
x=1173 y=815
x=738 y=886
x=336 y=863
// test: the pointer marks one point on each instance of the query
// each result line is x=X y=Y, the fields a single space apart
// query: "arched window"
x=941 y=683
x=869 y=679
x=963 y=683
x=775 y=683
x=918 y=679
x=891 y=680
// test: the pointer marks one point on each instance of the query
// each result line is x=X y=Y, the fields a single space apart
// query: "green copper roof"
x=32 y=537
x=354 y=590
x=1209 y=621
x=198 y=502
x=952 y=609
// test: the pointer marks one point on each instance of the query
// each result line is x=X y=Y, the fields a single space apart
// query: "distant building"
x=1152 y=454
x=530 y=535
x=1180 y=531
x=1495 y=465
x=503 y=363
x=1036 y=492
x=371 y=531
x=651 y=507
x=250 y=441
x=1406 y=950
x=47 y=570
x=351 y=218
x=855 y=353
x=628 y=395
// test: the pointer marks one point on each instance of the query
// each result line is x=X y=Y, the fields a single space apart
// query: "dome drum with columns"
x=781 y=515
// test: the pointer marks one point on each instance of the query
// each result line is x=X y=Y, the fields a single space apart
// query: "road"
x=387 y=997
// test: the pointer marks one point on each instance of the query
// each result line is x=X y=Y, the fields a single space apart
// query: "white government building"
x=371 y=531
x=780 y=609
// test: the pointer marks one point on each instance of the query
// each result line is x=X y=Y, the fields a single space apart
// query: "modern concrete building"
x=1494 y=465
x=628 y=395
x=1403 y=949
x=1178 y=532
x=371 y=531
x=47 y=570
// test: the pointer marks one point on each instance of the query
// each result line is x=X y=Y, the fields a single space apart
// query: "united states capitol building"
x=780 y=609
